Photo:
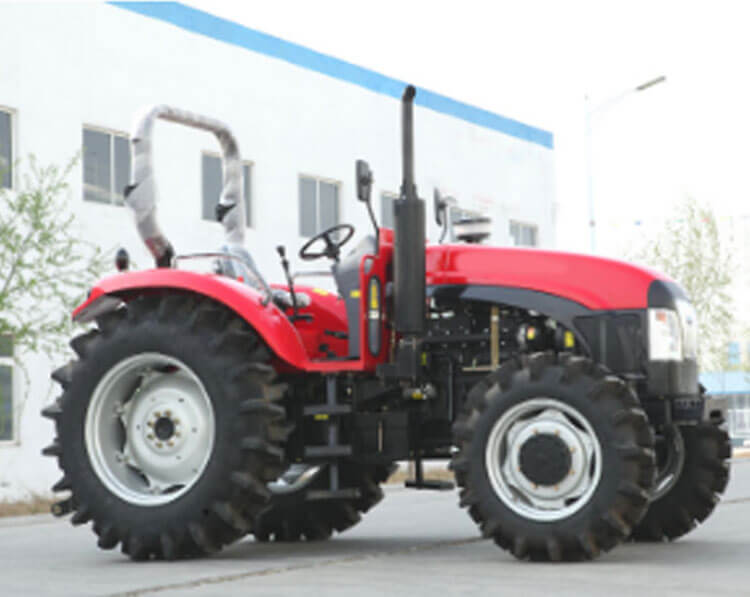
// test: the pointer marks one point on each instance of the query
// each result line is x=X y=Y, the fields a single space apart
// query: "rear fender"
x=268 y=321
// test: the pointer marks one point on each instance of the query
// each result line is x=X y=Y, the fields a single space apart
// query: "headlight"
x=689 y=325
x=664 y=335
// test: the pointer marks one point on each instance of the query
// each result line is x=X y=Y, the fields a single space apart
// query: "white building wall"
x=66 y=66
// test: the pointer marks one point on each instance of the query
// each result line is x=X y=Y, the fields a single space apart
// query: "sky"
x=537 y=60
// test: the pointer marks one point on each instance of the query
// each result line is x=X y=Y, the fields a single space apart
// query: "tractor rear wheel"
x=167 y=428
x=555 y=458
x=687 y=495
x=291 y=516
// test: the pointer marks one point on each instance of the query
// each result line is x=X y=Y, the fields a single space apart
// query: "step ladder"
x=332 y=452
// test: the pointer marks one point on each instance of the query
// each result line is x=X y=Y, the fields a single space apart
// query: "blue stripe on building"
x=203 y=23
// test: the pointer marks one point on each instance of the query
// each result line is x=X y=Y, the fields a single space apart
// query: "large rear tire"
x=555 y=458
x=167 y=428
x=291 y=516
x=692 y=496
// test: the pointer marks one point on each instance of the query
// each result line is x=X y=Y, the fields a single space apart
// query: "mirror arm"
x=375 y=225
x=445 y=230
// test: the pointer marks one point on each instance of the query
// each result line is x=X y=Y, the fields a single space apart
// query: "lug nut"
x=157 y=414
x=170 y=444
x=159 y=444
x=150 y=436
x=167 y=413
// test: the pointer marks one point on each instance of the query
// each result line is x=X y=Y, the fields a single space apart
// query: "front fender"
x=268 y=321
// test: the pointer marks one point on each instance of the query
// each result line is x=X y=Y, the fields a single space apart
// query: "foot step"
x=327 y=409
x=434 y=484
x=336 y=451
x=339 y=494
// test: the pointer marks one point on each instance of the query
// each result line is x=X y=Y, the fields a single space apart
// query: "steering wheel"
x=332 y=248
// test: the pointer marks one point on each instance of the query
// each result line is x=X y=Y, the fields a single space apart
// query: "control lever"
x=285 y=265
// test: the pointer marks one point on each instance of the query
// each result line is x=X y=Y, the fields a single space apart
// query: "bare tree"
x=45 y=269
x=690 y=250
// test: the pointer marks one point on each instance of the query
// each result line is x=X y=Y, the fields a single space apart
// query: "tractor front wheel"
x=693 y=473
x=555 y=458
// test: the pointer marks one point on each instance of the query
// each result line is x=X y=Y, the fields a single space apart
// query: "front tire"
x=167 y=431
x=701 y=479
x=555 y=458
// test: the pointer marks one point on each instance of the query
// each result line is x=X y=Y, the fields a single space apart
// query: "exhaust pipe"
x=409 y=236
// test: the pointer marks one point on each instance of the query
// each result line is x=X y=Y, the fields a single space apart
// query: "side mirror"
x=364 y=181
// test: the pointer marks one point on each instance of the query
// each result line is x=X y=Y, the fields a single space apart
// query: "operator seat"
x=346 y=275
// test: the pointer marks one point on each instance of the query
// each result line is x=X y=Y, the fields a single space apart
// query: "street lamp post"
x=592 y=111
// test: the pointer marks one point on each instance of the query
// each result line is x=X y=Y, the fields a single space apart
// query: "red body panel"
x=594 y=282
x=269 y=321
x=328 y=314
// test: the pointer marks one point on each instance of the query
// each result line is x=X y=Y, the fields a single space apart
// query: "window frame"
x=112 y=134
x=249 y=211
x=318 y=180
x=525 y=224
x=13 y=113
x=10 y=362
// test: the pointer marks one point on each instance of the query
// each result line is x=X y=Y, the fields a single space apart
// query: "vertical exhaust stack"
x=409 y=242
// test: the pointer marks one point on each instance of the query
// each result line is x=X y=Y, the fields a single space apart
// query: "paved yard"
x=413 y=543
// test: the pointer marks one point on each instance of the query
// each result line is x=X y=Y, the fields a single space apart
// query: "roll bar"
x=140 y=194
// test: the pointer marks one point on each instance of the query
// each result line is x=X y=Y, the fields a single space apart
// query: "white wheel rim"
x=670 y=471
x=535 y=501
x=149 y=429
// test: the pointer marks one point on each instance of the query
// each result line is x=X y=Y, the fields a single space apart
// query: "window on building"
x=318 y=205
x=386 y=209
x=213 y=182
x=524 y=235
x=106 y=166
x=6 y=388
x=6 y=149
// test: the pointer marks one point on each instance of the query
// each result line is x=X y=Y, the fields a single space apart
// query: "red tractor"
x=204 y=406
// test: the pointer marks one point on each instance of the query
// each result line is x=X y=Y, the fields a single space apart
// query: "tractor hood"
x=596 y=283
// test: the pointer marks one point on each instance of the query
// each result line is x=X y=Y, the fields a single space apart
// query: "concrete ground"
x=413 y=543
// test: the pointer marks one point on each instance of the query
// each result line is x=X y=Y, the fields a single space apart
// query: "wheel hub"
x=545 y=459
x=160 y=438
x=164 y=428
